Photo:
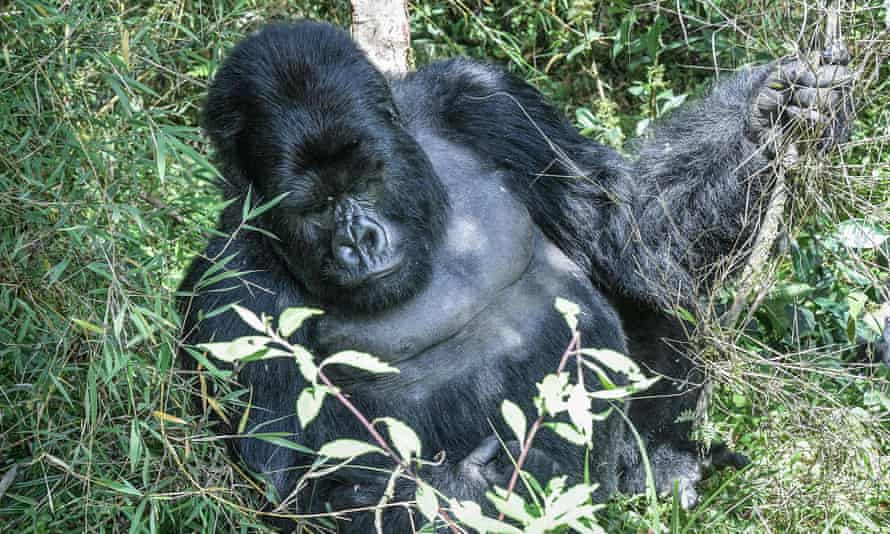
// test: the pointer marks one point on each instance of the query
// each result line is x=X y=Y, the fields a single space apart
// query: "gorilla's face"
x=305 y=116
x=362 y=209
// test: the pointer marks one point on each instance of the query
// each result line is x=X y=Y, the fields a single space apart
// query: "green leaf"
x=306 y=364
x=578 y=407
x=347 y=448
x=512 y=506
x=568 y=433
x=309 y=403
x=250 y=318
x=515 y=419
x=470 y=514
x=360 y=360
x=571 y=499
x=858 y=234
x=236 y=349
x=615 y=361
x=135 y=452
x=160 y=154
x=427 y=502
x=263 y=208
x=281 y=439
x=569 y=311
x=403 y=437
x=551 y=392
x=856 y=302
x=292 y=319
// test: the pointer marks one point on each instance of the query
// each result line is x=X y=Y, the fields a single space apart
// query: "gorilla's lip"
x=378 y=273
x=386 y=271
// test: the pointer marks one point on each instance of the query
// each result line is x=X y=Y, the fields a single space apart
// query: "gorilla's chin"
x=379 y=290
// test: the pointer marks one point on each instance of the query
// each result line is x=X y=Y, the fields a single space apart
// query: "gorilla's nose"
x=361 y=237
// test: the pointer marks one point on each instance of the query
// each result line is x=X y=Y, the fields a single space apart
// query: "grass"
x=106 y=192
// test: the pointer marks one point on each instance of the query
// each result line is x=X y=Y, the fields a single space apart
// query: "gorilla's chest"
x=488 y=306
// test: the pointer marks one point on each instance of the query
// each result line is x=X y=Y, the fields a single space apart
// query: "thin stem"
x=527 y=445
x=404 y=464
x=364 y=421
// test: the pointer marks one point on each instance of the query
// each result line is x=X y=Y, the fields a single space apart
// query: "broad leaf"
x=236 y=349
x=427 y=501
x=403 y=437
x=309 y=403
x=292 y=319
x=860 y=235
x=347 y=448
x=569 y=311
x=615 y=361
x=515 y=419
x=360 y=360
x=250 y=318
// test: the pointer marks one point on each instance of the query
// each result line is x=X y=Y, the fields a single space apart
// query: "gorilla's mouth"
x=373 y=273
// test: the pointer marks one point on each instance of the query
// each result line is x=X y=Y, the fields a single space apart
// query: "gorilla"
x=435 y=217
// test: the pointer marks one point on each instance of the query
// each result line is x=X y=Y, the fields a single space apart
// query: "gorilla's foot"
x=677 y=469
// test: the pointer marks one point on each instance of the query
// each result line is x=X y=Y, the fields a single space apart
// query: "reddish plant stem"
x=527 y=445
x=379 y=439
x=363 y=420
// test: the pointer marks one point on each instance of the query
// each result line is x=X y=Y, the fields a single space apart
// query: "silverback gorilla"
x=436 y=217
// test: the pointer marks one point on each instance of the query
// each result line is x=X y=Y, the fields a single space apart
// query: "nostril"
x=369 y=237
x=369 y=240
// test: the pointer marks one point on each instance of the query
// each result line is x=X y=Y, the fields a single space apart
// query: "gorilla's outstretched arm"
x=644 y=228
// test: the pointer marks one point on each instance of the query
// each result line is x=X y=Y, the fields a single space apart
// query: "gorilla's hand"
x=492 y=464
x=804 y=100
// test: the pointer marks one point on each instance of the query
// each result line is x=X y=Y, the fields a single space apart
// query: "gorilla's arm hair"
x=208 y=288
x=645 y=227
x=702 y=180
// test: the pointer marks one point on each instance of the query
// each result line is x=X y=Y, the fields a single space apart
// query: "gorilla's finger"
x=823 y=99
x=825 y=76
x=809 y=116
x=484 y=453
x=769 y=99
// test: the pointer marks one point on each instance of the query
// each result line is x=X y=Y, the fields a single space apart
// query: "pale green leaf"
x=309 y=403
x=305 y=364
x=568 y=433
x=858 y=234
x=615 y=361
x=347 y=448
x=512 y=506
x=250 y=318
x=470 y=514
x=515 y=419
x=292 y=319
x=578 y=407
x=427 y=501
x=403 y=437
x=569 y=311
x=236 y=349
x=360 y=360
x=572 y=498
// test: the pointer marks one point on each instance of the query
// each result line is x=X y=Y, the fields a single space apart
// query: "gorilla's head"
x=299 y=110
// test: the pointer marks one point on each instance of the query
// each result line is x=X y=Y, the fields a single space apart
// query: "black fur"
x=298 y=109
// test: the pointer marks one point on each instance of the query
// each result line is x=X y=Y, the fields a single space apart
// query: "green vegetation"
x=106 y=192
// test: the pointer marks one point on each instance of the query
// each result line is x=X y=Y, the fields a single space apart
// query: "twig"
x=761 y=249
x=527 y=445
x=772 y=219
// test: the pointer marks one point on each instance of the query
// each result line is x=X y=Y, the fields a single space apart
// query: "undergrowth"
x=106 y=193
